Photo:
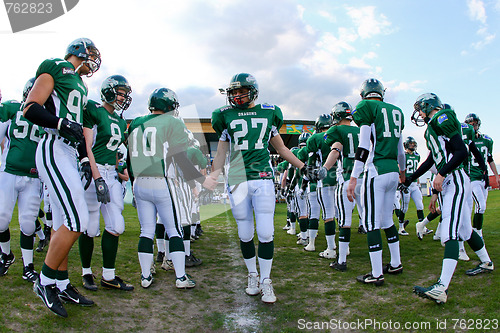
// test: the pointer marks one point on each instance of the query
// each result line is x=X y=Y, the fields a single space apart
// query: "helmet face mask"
x=410 y=144
x=27 y=88
x=115 y=91
x=323 y=122
x=303 y=138
x=340 y=111
x=236 y=94
x=372 y=88
x=425 y=104
x=473 y=120
x=85 y=49
x=165 y=100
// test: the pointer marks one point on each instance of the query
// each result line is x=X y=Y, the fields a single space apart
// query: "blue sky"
x=306 y=55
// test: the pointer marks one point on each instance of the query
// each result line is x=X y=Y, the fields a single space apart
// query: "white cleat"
x=328 y=254
x=310 y=247
x=462 y=255
x=267 y=291
x=403 y=232
x=291 y=231
x=420 y=227
x=253 y=284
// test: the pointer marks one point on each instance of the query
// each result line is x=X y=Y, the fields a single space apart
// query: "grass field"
x=311 y=296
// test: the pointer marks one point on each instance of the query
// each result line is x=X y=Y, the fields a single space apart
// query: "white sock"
x=146 y=261
x=108 y=274
x=160 y=244
x=265 y=268
x=62 y=284
x=45 y=281
x=187 y=247
x=193 y=229
x=251 y=265
x=401 y=226
x=292 y=225
x=483 y=254
x=343 y=247
x=303 y=234
x=27 y=256
x=312 y=234
x=330 y=242
x=179 y=261
x=40 y=234
x=425 y=221
x=86 y=271
x=376 y=261
x=447 y=271
x=5 y=247
x=395 y=254
x=461 y=246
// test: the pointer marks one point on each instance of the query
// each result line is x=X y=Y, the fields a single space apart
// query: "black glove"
x=86 y=171
x=320 y=173
x=408 y=181
x=486 y=179
x=307 y=172
x=71 y=130
x=134 y=203
x=102 y=191
x=403 y=188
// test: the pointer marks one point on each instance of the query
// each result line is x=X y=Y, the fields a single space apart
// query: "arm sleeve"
x=459 y=152
x=364 y=143
x=187 y=167
x=401 y=155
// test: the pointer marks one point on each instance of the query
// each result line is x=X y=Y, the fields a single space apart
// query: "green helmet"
x=410 y=143
x=447 y=106
x=163 y=99
x=242 y=80
x=85 y=49
x=323 y=122
x=472 y=117
x=372 y=88
x=303 y=138
x=425 y=103
x=27 y=88
x=109 y=92
x=341 y=110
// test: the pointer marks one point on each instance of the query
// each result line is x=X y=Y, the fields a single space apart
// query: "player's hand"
x=71 y=130
x=486 y=179
x=403 y=188
x=102 y=191
x=307 y=172
x=210 y=183
x=438 y=183
x=320 y=173
x=351 y=188
x=302 y=194
x=134 y=203
x=432 y=203
x=86 y=171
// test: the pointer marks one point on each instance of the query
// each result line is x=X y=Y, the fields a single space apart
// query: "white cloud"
x=477 y=11
x=368 y=22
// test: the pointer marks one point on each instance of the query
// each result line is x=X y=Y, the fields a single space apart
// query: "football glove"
x=86 y=171
x=320 y=173
x=403 y=188
x=102 y=191
x=486 y=179
x=71 y=130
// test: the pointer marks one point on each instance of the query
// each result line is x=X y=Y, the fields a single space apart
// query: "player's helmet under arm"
x=27 y=88
x=425 y=103
x=341 y=110
x=472 y=117
x=85 y=49
x=323 y=122
x=242 y=80
x=110 y=93
x=410 y=143
x=303 y=138
x=372 y=88
x=163 y=99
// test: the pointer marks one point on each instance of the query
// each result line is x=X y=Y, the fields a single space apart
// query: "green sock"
x=160 y=231
x=391 y=234
x=345 y=235
x=374 y=239
x=303 y=223
x=27 y=241
x=247 y=249
x=313 y=224
x=109 y=246
x=475 y=242
x=266 y=250
x=175 y=244
x=145 y=245
x=330 y=228
x=451 y=249
x=420 y=215
x=5 y=236
x=187 y=232
x=86 y=245
x=478 y=221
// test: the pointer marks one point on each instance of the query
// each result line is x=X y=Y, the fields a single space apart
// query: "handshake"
x=313 y=174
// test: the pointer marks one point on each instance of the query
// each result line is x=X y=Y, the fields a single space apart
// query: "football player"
x=447 y=152
x=381 y=123
x=300 y=192
x=20 y=183
x=104 y=131
x=246 y=129
x=157 y=145
x=343 y=140
x=56 y=102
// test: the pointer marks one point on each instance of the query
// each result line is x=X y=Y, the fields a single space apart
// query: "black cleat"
x=117 y=283
x=339 y=266
x=160 y=256
x=370 y=279
x=361 y=230
x=29 y=273
x=72 y=295
x=7 y=260
x=88 y=282
x=49 y=296
x=388 y=269
x=41 y=245
x=192 y=261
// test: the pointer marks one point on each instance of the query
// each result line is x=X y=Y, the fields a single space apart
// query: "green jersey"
x=282 y=166
x=348 y=136
x=248 y=132
x=412 y=160
x=152 y=139
x=197 y=158
x=440 y=129
x=485 y=146
x=468 y=135
x=24 y=136
x=109 y=132
x=386 y=122
x=69 y=96
x=318 y=153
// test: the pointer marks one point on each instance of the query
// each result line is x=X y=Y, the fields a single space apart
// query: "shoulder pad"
x=416 y=154
x=267 y=106
x=464 y=125
x=486 y=137
x=224 y=108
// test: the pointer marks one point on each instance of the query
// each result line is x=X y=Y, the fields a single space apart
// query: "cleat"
x=88 y=282
x=72 y=295
x=484 y=267
x=328 y=254
x=49 y=296
x=361 y=230
x=436 y=237
x=146 y=282
x=310 y=247
x=41 y=245
x=253 y=284
x=117 y=283
x=403 y=232
x=286 y=227
x=7 y=260
x=388 y=269
x=369 y=279
x=160 y=256
x=153 y=269
x=167 y=265
x=267 y=291
x=428 y=231
x=185 y=282
x=192 y=261
x=291 y=231
x=420 y=228
x=462 y=255
x=199 y=230
x=339 y=266
x=436 y=293
x=405 y=223
x=303 y=242
x=29 y=273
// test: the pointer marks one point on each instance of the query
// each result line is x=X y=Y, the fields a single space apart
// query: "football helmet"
x=303 y=138
x=425 y=103
x=410 y=143
x=341 y=110
x=471 y=118
x=27 y=88
x=85 y=49
x=163 y=99
x=109 y=92
x=242 y=80
x=323 y=122
x=447 y=106
x=372 y=88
